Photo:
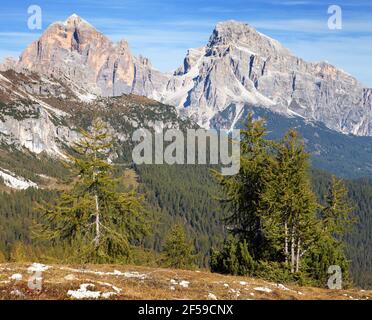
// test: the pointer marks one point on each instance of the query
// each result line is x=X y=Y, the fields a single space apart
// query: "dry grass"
x=134 y=282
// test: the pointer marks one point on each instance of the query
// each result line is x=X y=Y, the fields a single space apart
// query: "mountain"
x=75 y=51
x=73 y=73
x=241 y=67
x=74 y=68
x=237 y=69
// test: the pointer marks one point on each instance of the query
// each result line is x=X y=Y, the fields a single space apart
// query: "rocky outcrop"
x=27 y=121
x=75 y=51
x=240 y=66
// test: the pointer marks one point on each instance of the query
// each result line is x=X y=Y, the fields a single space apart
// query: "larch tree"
x=98 y=222
x=288 y=207
x=178 y=250
x=243 y=191
x=337 y=215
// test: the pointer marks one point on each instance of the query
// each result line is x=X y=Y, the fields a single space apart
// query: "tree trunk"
x=98 y=231
x=286 y=241
x=298 y=255
x=292 y=250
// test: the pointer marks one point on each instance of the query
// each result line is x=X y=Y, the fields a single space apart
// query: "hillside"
x=133 y=282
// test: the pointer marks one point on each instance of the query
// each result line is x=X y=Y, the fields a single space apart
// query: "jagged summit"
x=76 y=20
x=232 y=32
x=239 y=67
x=75 y=50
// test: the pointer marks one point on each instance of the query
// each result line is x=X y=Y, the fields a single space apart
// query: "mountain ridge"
x=238 y=66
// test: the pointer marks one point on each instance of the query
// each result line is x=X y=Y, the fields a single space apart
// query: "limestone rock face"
x=240 y=66
x=75 y=51
x=26 y=120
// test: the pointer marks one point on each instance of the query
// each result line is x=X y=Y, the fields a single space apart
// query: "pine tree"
x=234 y=258
x=178 y=250
x=336 y=220
x=92 y=217
x=288 y=207
x=337 y=213
x=244 y=190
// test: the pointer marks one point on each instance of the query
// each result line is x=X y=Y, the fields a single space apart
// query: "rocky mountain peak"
x=240 y=34
x=239 y=67
x=75 y=20
x=75 y=50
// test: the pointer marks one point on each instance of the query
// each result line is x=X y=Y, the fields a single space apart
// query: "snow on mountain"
x=75 y=51
x=238 y=68
x=13 y=181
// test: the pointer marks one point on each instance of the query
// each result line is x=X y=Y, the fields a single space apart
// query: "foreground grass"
x=135 y=282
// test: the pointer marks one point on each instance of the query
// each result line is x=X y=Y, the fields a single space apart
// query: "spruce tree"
x=288 y=207
x=100 y=223
x=243 y=191
x=336 y=221
x=337 y=215
x=178 y=250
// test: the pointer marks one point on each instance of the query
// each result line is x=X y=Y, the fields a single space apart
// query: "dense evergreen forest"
x=188 y=195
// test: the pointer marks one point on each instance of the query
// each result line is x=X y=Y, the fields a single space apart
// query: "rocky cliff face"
x=237 y=69
x=240 y=66
x=75 y=51
x=27 y=120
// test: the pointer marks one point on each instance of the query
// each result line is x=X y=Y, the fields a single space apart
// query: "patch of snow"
x=184 y=284
x=13 y=181
x=87 y=97
x=282 y=287
x=16 y=276
x=133 y=274
x=263 y=289
x=38 y=267
x=16 y=292
x=5 y=79
x=70 y=277
x=107 y=295
x=84 y=293
x=211 y=296
x=116 y=289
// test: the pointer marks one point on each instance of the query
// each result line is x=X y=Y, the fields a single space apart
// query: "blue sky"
x=164 y=29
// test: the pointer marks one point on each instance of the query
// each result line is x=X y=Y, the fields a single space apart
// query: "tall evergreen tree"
x=178 y=249
x=95 y=219
x=336 y=221
x=337 y=213
x=244 y=190
x=288 y=207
